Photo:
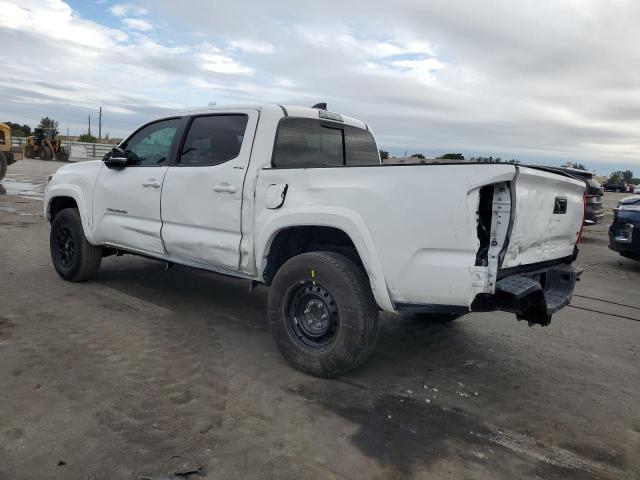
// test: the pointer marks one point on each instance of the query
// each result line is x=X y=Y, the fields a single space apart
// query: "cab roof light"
x=323 y=114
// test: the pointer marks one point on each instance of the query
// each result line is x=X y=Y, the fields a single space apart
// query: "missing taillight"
x=485 y=211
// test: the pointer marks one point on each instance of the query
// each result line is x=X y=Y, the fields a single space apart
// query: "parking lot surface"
x=146 y=373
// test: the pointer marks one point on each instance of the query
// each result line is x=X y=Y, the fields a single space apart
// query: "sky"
x=545 y=81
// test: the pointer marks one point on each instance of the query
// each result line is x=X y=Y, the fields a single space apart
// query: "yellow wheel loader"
x=6 y=154
x=45 y=145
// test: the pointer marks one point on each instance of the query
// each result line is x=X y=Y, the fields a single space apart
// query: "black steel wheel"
x=312 y=316
x=322 y=313
x=73 y=257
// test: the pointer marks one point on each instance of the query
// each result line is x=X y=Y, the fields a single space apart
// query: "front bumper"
x=594 y=213
x=534 y=295
x=624 y=234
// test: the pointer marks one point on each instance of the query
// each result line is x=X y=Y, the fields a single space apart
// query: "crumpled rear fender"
x=340 y=218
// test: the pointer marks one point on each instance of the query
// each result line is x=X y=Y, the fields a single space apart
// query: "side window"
x=150 y=146
x=2 y=139
x=306 y=142
x=213 y=140
x=361 y=147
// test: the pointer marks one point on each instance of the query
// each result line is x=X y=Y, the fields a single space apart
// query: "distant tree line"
x=18 y=130
x=492 y=159
x=623 y=175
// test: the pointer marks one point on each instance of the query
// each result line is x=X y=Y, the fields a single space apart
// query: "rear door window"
x=213 y=139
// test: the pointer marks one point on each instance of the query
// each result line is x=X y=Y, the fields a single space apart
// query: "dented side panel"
x=415 y=226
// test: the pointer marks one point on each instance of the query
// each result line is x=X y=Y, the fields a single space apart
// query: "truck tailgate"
x=547 y=220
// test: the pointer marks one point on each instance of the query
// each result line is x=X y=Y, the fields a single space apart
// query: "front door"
x=202 y=192
x=126 y=202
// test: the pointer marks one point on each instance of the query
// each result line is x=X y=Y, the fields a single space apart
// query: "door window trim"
x=172 y=149
x=185 y=133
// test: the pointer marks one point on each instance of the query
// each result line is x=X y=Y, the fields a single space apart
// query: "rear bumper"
x=535 y=295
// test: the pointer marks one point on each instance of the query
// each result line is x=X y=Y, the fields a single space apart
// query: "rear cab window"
x=310 y=142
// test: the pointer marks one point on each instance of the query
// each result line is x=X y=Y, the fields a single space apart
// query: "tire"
x=323 y=292
x=73 y=257
x=3 y=165
x=28 y=152
x=45 y=154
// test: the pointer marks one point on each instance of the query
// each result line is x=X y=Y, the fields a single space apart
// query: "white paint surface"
x=414 y=226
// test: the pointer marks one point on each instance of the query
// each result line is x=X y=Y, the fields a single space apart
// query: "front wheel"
x=322 y=313
x=74 y=258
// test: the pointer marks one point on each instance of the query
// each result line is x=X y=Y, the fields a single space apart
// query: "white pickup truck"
x=296 y=198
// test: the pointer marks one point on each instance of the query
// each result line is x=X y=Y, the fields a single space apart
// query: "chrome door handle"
x=225 y=187
x=151 y=184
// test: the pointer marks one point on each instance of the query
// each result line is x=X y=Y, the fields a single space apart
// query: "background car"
x=594 y=212
x=624 y=233
x=614 y=186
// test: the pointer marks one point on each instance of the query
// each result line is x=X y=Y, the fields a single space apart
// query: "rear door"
x=126 y=202
x=202 y=192
x=548 y=217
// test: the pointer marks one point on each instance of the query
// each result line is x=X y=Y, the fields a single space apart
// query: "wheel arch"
x=292 y=235
x=69 y=196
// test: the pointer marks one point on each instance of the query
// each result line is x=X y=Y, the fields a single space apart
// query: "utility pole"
x=89 y=132
x=100 y=125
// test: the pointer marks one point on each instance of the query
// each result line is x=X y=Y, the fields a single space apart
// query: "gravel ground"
x=144 y=373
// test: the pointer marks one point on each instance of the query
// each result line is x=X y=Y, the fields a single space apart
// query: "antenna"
x=320 y=106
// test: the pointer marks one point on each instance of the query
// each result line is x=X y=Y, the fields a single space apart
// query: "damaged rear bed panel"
x=548 y=217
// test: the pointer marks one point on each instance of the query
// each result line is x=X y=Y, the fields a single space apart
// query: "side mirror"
x=116 y=159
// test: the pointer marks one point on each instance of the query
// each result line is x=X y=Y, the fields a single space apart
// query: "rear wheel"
x=322 y=313
x=74 y=258
x=3 y=165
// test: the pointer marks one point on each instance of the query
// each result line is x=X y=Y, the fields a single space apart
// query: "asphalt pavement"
x=146 y=373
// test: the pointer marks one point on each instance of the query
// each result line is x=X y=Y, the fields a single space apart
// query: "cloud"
x=251 y=46
x=137 y=24
x=540 y=80
x=124 y=9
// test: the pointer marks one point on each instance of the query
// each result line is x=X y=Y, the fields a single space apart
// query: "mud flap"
x=536 y=296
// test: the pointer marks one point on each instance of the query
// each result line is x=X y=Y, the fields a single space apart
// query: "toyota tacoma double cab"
x=297 y=199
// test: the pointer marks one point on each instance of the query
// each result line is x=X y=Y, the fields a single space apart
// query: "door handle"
x=151 y=184
x=225 y=187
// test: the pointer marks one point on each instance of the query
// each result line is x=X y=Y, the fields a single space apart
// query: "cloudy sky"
x=545 y=81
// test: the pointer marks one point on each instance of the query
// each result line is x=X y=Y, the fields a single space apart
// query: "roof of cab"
x=286 y=110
